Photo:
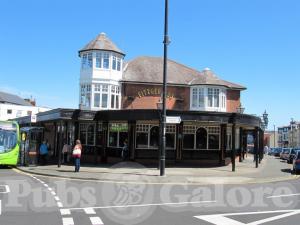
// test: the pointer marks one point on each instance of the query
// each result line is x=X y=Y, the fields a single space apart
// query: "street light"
x=265 y=119
x=240 y=109
x=164 y=112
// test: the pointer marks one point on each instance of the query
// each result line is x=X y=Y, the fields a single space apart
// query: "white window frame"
x=196 y=93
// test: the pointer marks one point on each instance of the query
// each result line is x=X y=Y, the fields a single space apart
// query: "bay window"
x=207 y=98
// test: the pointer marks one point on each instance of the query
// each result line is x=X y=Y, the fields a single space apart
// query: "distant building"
x=283 y=136
x=13 y=106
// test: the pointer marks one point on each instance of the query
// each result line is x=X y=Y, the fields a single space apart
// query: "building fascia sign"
x=152 y=92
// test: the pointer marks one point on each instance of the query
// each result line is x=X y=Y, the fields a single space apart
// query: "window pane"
x=88 y=99
x=118 y=64
x=96 y=100
x=104 y=101
x=188 y=141
x=216 y=98
x=91 y=135
x=113 y=139
x=201 y=98
x=117 y=101
x=194 y=100
x=123 y=136
x=114 y=63
x=98 y=60
x=170 y=140
x=84 y=61
x=112 y=101
x=213 y=141
x=142 y=140
x=201 y=139
x=90 y=60
x=154 y=137
x=106 y=60
x=210 y=97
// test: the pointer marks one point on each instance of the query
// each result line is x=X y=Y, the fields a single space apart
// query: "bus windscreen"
x=8 y=136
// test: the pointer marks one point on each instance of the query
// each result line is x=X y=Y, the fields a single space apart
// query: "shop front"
x=200 y=137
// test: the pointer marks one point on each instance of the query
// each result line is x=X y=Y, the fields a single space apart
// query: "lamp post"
x=164 y=112
x=265 y=120
x=274 y=137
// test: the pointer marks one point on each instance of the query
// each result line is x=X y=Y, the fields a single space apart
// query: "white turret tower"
x=100 y=73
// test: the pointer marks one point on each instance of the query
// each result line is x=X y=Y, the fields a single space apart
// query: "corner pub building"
x=121 y=101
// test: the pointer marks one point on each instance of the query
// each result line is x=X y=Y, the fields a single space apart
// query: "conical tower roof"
x=101 y=42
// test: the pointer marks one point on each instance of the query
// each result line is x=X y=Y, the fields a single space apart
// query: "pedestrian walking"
x=44 y=153
x=77 y=155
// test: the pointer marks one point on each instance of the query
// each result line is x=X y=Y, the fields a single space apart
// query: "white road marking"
x=222 y=219
x=89 y=211
x=0 y=207
x=56 y=198
x=59 y=204
x=65 y=212
x=50 y=189
x=279 y=196
x=46 y=185
x=53 y=193
x=7 y=189
x=96 y=221
x=68 y=221
x=145 y=205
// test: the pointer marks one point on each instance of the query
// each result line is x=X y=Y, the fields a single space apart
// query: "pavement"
x=271 y=169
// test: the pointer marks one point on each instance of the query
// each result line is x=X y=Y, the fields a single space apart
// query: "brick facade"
x=142 y=96
x=233 y=100
x=146 y=96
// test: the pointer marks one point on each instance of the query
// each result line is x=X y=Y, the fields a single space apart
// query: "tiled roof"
x=101 y=42
x=150 y=70
x=12 y=99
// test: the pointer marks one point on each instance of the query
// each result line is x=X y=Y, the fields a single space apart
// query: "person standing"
x=77 y=155
x=65 y=152
x=124 y=152
x=44 y=153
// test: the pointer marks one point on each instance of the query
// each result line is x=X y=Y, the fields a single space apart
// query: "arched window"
x=201 y=138
x=154 y=137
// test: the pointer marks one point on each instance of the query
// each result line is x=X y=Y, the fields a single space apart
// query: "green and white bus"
x=9 y=143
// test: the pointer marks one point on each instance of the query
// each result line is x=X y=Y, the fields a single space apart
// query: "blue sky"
x=252 y=42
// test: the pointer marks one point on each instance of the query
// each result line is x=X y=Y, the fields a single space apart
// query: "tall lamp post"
x=274 y=137
x=164 y=112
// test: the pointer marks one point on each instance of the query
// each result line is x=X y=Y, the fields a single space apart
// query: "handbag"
x=76 y=152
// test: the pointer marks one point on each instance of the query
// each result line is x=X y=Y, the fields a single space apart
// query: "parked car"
x=271 y=151
x=277 y=151
x=285 y=154
x=296 y=162
x=292 y=155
